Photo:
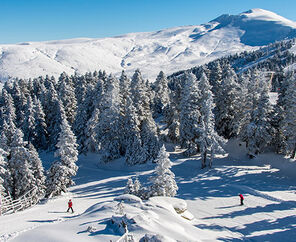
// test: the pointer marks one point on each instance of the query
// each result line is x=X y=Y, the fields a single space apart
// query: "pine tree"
x=190 y=115
x=108 y=137
x=21 y=170
x=228 y=104
x=129 y=188
x=161 y=93
x=29 y=123
x=64 y=168
x=288 y=124
x=67 y=96
x=209 y=141
x=8 y=116
x=5 y=177
x=259 y=129
x=40 y=141
x=137 y=187
x=91 y=143
x=150 y=141
x=38 y=171
x=164 y=183
x=131 y=138
x=140 y=96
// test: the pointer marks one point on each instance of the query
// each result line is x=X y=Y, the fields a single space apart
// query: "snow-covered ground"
x=167 y=50
x=210 y=197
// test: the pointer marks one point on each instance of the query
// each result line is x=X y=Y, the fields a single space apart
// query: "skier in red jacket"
x=241 y=198
x=70 y=204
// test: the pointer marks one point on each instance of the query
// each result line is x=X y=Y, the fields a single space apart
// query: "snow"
x=206 y=207
x=265 y=15
x=168 y=50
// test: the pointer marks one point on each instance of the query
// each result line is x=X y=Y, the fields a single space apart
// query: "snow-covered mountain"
x=168 y=50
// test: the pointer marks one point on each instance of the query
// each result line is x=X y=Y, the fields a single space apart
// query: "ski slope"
x=211 y=197
x=168 y=50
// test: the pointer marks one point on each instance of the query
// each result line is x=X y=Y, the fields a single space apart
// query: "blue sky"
x=32 y=20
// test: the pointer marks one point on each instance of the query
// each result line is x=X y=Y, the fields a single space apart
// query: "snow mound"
x=128 y=198
x=156 y=238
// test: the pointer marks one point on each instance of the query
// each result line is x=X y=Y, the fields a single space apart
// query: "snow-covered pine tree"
x=140 y=96
x=161 y=93
x=251 y=93
x=163 y=182
x=258 y=134
x=19 y=100
x=64 y=168
x=4 y=141
x=89 y=102
x=5 y=177
x=209 y=141
x=190 y=115
x=67 y=96
x=137 y=187
x=131 y=139
x=228 y=106
x=91 y=143
x=23 y=179
x=29 y=123
x=129 y=188
x=54 y=129
x=40 y=140
x=8 y=116
x=38 y=171
x=288 y=124
x=107 y=129
x=149 y=137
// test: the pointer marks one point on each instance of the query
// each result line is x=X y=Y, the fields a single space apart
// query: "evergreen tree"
x=209 y=141
x=38 y=170
x=164 y=183
x=67 y=96
x=5 y=177
x=161 y=93
x=108 y=137
x=137 y=187
x=259 y=129
x=64 y=168
x=21 y=170
x=129 y=188
x=288 y=124
x=150 y=141
x=40 y=141
x=140 y=96
x=131 y=138
x=190 y=115
x=228 y=104
x=29 y=123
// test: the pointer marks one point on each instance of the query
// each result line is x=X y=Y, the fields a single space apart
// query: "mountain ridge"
x=169 y=49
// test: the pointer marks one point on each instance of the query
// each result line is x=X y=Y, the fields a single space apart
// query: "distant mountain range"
x=168 y=50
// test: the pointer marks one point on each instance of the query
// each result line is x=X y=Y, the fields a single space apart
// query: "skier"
x=70 y=204
x=241 y=199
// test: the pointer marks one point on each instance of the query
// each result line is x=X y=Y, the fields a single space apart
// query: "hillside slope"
x=168 y=50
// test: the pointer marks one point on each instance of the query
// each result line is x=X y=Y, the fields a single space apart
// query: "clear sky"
x=38 y=20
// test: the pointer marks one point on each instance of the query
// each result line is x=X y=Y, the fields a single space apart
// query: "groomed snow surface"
x=205 y=209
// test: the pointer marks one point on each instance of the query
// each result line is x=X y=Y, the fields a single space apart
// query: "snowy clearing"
x=206 y=207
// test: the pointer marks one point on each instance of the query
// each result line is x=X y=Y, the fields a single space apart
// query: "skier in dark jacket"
x=241 y=199
x=70 y=206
